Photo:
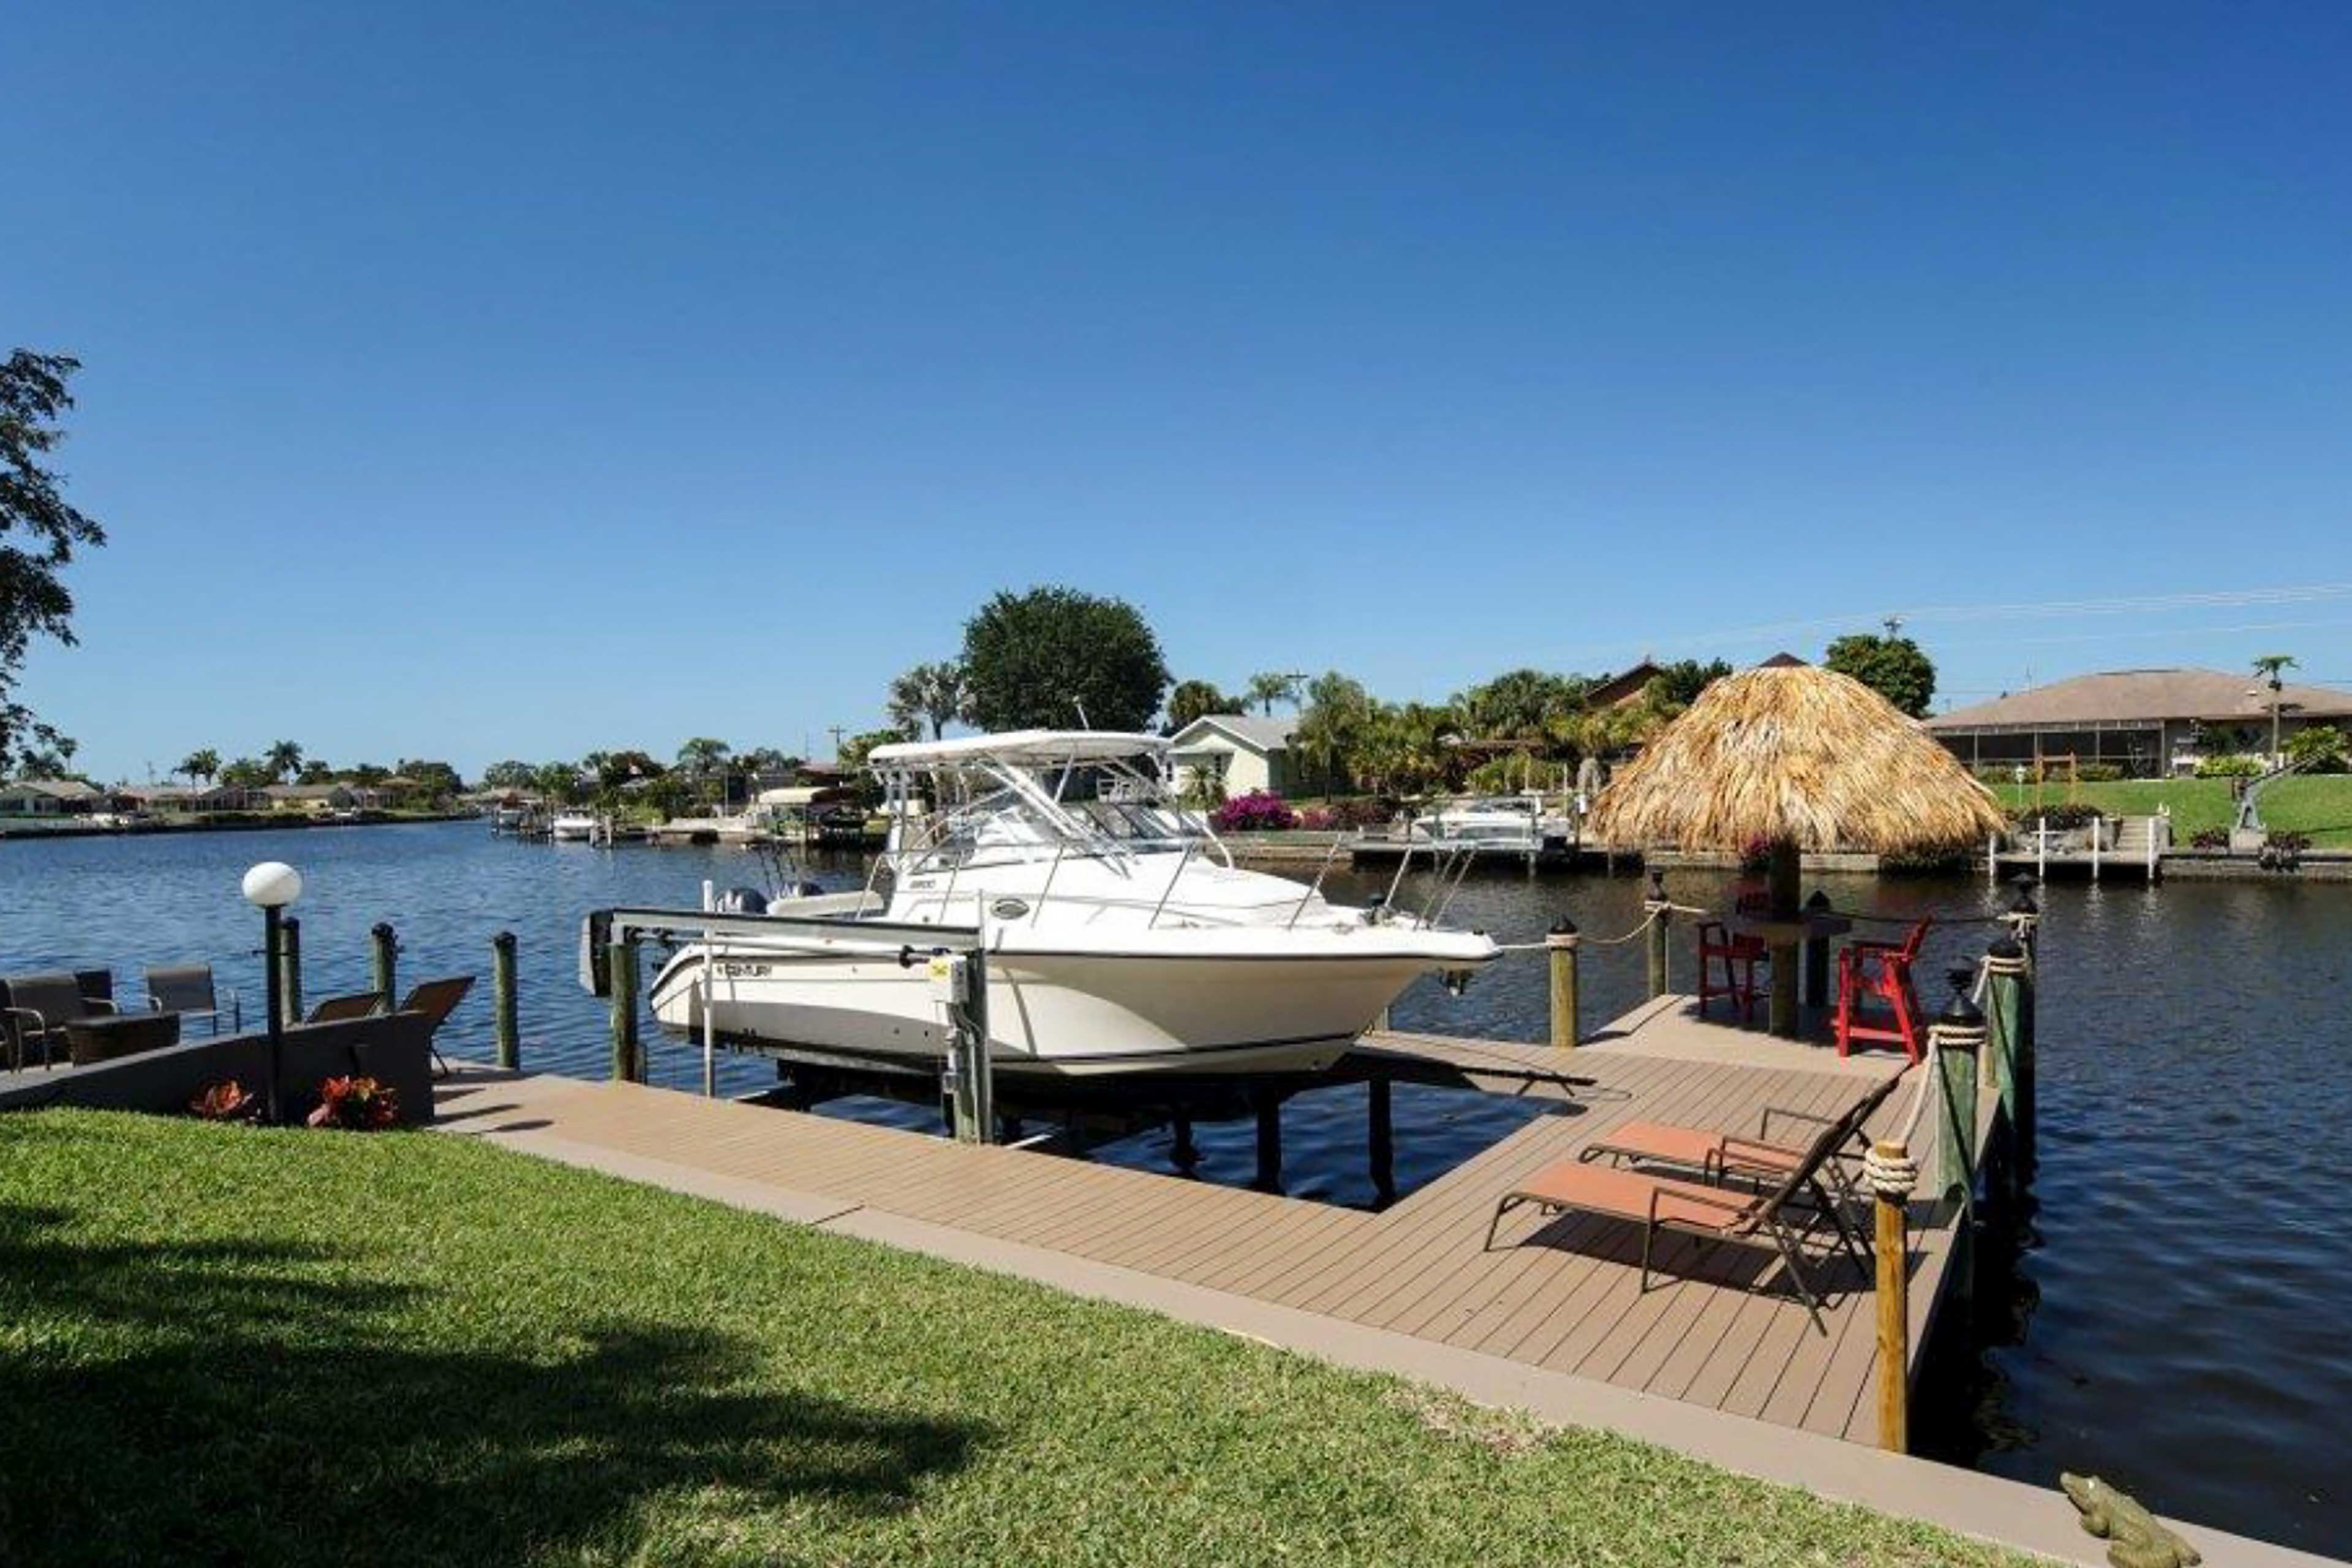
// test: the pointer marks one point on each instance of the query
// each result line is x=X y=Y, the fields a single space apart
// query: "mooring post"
x=978 y=1073
x=1956 y=1036
x=1890 y=1172
x=1817 y=954
x=2006 y=980
x=386 y=962
x=1560 y=947
x=289 y=968
x=2024 y=921
x=2042 y=848
x=1268 y=1105
x=620 y=958
x=1381 y=1143
x=508 y=1031
x=1659 y=912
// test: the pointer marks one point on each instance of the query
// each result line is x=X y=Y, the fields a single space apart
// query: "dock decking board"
x=1562 y=1293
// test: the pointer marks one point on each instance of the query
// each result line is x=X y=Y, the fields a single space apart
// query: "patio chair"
x=1880 y=972
x=1721 y=1157
x=1739 y=954
x=187 y=989
x=437 y=999
x=343 y=1009
x=36 y=1008
x=1783 y=1216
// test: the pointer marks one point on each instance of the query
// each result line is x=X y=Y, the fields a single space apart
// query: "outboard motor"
x=806 y=890
x=742 y=901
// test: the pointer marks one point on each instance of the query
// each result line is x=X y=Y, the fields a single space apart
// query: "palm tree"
x=2268 y=667
x=1270 y=687
x=284 y=759
x=703 y=756
x=930 y=694
x=205 y=764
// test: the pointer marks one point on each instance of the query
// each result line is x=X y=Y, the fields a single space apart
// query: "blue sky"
x=475 y=381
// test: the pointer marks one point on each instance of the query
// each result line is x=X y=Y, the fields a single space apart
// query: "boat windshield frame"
x=984 y=809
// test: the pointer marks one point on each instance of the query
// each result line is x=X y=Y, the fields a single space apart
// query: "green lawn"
x=2320 y=805
x=222 y=1344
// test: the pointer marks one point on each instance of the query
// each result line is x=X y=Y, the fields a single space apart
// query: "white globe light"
x=272 y=885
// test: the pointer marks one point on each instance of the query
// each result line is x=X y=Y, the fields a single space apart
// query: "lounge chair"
x=187 y=989
x=343 y=1009
x=1782 y=1216
x=38 y=1008
x=437 y=999
x=1719 y=1157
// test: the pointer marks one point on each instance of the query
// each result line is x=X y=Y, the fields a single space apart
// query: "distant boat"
x=572 y=825
x=1491 y=822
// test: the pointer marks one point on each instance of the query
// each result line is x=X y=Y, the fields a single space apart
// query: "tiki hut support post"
x=1787 y=864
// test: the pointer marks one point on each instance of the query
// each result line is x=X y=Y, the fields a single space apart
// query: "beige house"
x=1236 y=753
x=2151 y=723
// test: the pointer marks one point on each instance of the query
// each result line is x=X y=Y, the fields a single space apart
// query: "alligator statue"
x=2134 y=1538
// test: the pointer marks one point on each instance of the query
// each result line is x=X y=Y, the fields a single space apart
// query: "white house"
x=48 y=797
x=1238 y=753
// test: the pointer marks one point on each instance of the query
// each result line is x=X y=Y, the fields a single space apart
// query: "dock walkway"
x=1563 y=1296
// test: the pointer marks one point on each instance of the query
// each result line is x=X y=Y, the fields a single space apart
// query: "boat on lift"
x=1499 y=822
x=1117 y=934
x=573 y=825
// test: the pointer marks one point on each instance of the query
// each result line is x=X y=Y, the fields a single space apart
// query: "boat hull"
x=1076 y=1012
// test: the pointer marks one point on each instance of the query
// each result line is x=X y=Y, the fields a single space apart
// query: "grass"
x=2320 y=805
x=225 y=1344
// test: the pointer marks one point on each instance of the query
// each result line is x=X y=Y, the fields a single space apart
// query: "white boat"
x=572 y=825
x=1515 y=822
x=1118 y=935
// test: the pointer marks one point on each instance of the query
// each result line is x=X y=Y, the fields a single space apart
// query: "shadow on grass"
x=205 y=1402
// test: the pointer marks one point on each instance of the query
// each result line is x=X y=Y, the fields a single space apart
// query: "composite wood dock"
x=1722 y=1331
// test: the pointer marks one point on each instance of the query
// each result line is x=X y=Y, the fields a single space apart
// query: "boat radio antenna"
x=1079 y=703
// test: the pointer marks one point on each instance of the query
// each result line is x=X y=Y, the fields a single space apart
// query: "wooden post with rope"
x=2024 y=919
x=1659 y=912
x=1889 y=1170
x=508 y=1035
x=2005 y=984
x=1560 y=949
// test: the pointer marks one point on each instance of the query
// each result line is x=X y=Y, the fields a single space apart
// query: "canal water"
x=2175 y=1317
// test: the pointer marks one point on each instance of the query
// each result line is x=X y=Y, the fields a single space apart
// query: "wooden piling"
x=289 y=968
x=384 y=947
x=1957 y=1043
x=1268 y=1106
x=628 y=1062
x=1560 y=948
x=1894 y=1292
x=1817 y=956
x=974 y=1100
x=1381 y=1140
x=507 y=1028
x=1784 y=879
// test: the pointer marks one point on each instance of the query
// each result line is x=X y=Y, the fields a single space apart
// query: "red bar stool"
x=1880 y=973
x=1739 y=954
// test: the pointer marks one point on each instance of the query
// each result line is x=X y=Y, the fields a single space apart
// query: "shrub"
x=2098 y=772
x=2210 y=838
x=1259 y=811
x=2318 y=749
x=355 y=1105
x=1756 y=855
x=2057 y=816
x=1361 y=811
x=2236 y=766
x=2286 y=843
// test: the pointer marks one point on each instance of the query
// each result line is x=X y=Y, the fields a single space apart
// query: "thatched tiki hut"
x=1797 y=758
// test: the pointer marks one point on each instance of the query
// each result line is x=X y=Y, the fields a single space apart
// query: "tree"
x=1054 y=658
x=315 y=772
x=34 y=601
x=1272 y=686
x=2270 y=668
x=1194 y=700
x=248 y=772
x=41 y=762
x=285 y=760
x=2318 y=749
x=559 y=781
x=205 y=764
x=927 y=694
x=508 y=774
x=434 y=781
x=704 y=757
x=1677 y=685
x=1333 y=726
x=1891 y=666
x=367 y=776
x=852 y=752
x=1521 y=705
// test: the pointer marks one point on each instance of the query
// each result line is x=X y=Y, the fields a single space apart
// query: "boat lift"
x=954 y=956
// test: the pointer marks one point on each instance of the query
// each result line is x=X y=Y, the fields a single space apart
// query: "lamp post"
x=270 y=887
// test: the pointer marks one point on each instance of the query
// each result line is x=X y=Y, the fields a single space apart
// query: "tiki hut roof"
x=1795 y=754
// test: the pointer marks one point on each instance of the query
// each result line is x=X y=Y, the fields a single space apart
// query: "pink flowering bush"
x=1259 y=811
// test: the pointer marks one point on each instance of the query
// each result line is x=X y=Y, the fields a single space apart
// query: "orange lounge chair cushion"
x=1625 y=1194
